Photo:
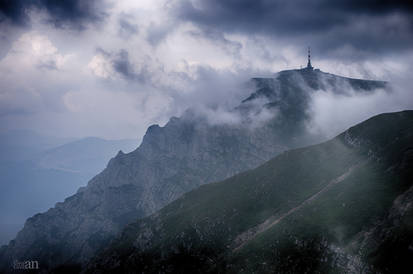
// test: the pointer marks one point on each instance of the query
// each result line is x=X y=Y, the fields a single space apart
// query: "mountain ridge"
x=315 y=79
x=195 y=232
x=184 y=154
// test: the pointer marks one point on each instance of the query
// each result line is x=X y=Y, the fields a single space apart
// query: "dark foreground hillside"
x=345 y=205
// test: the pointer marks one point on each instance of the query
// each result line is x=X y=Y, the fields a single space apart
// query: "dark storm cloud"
x=124 y=67
x=373 y=6
x=371 y=25
x=14 y=10
x=64 y=13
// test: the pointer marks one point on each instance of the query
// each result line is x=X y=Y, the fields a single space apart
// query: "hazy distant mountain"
x=343 y=206
x=21 y=145
x=88 y=156
x=187 y=152
x=18 y=198
x=38 y=176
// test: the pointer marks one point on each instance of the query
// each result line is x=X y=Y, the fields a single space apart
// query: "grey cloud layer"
x=370 y=25
x=72 y=13
x=151 y=64
x=373 y=25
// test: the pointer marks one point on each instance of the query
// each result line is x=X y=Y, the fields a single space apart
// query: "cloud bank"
x=111 y=68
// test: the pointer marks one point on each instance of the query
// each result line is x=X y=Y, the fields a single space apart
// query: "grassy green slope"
x=202 y=231
x=340 y=215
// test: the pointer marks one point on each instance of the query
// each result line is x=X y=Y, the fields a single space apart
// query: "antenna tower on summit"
x=309 y=66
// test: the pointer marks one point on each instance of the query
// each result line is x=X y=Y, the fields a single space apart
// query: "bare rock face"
x=172 y=160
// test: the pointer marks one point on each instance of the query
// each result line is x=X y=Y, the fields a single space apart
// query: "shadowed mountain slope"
x=343 y=205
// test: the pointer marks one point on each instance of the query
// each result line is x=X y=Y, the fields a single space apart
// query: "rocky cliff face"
x=184 y=154
x=343 y=206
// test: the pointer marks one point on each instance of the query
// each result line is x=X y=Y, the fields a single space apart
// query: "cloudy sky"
x=110 y=68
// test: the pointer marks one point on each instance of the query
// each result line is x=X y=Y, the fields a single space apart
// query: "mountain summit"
x=184 y=154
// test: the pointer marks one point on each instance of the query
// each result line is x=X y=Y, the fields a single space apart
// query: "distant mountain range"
x=23 y=145
x=38 y=171
x=186 y=153
x=87 y=156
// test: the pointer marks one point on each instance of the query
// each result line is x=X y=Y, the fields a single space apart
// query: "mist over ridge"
x=194 y=136
x=195 y=149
